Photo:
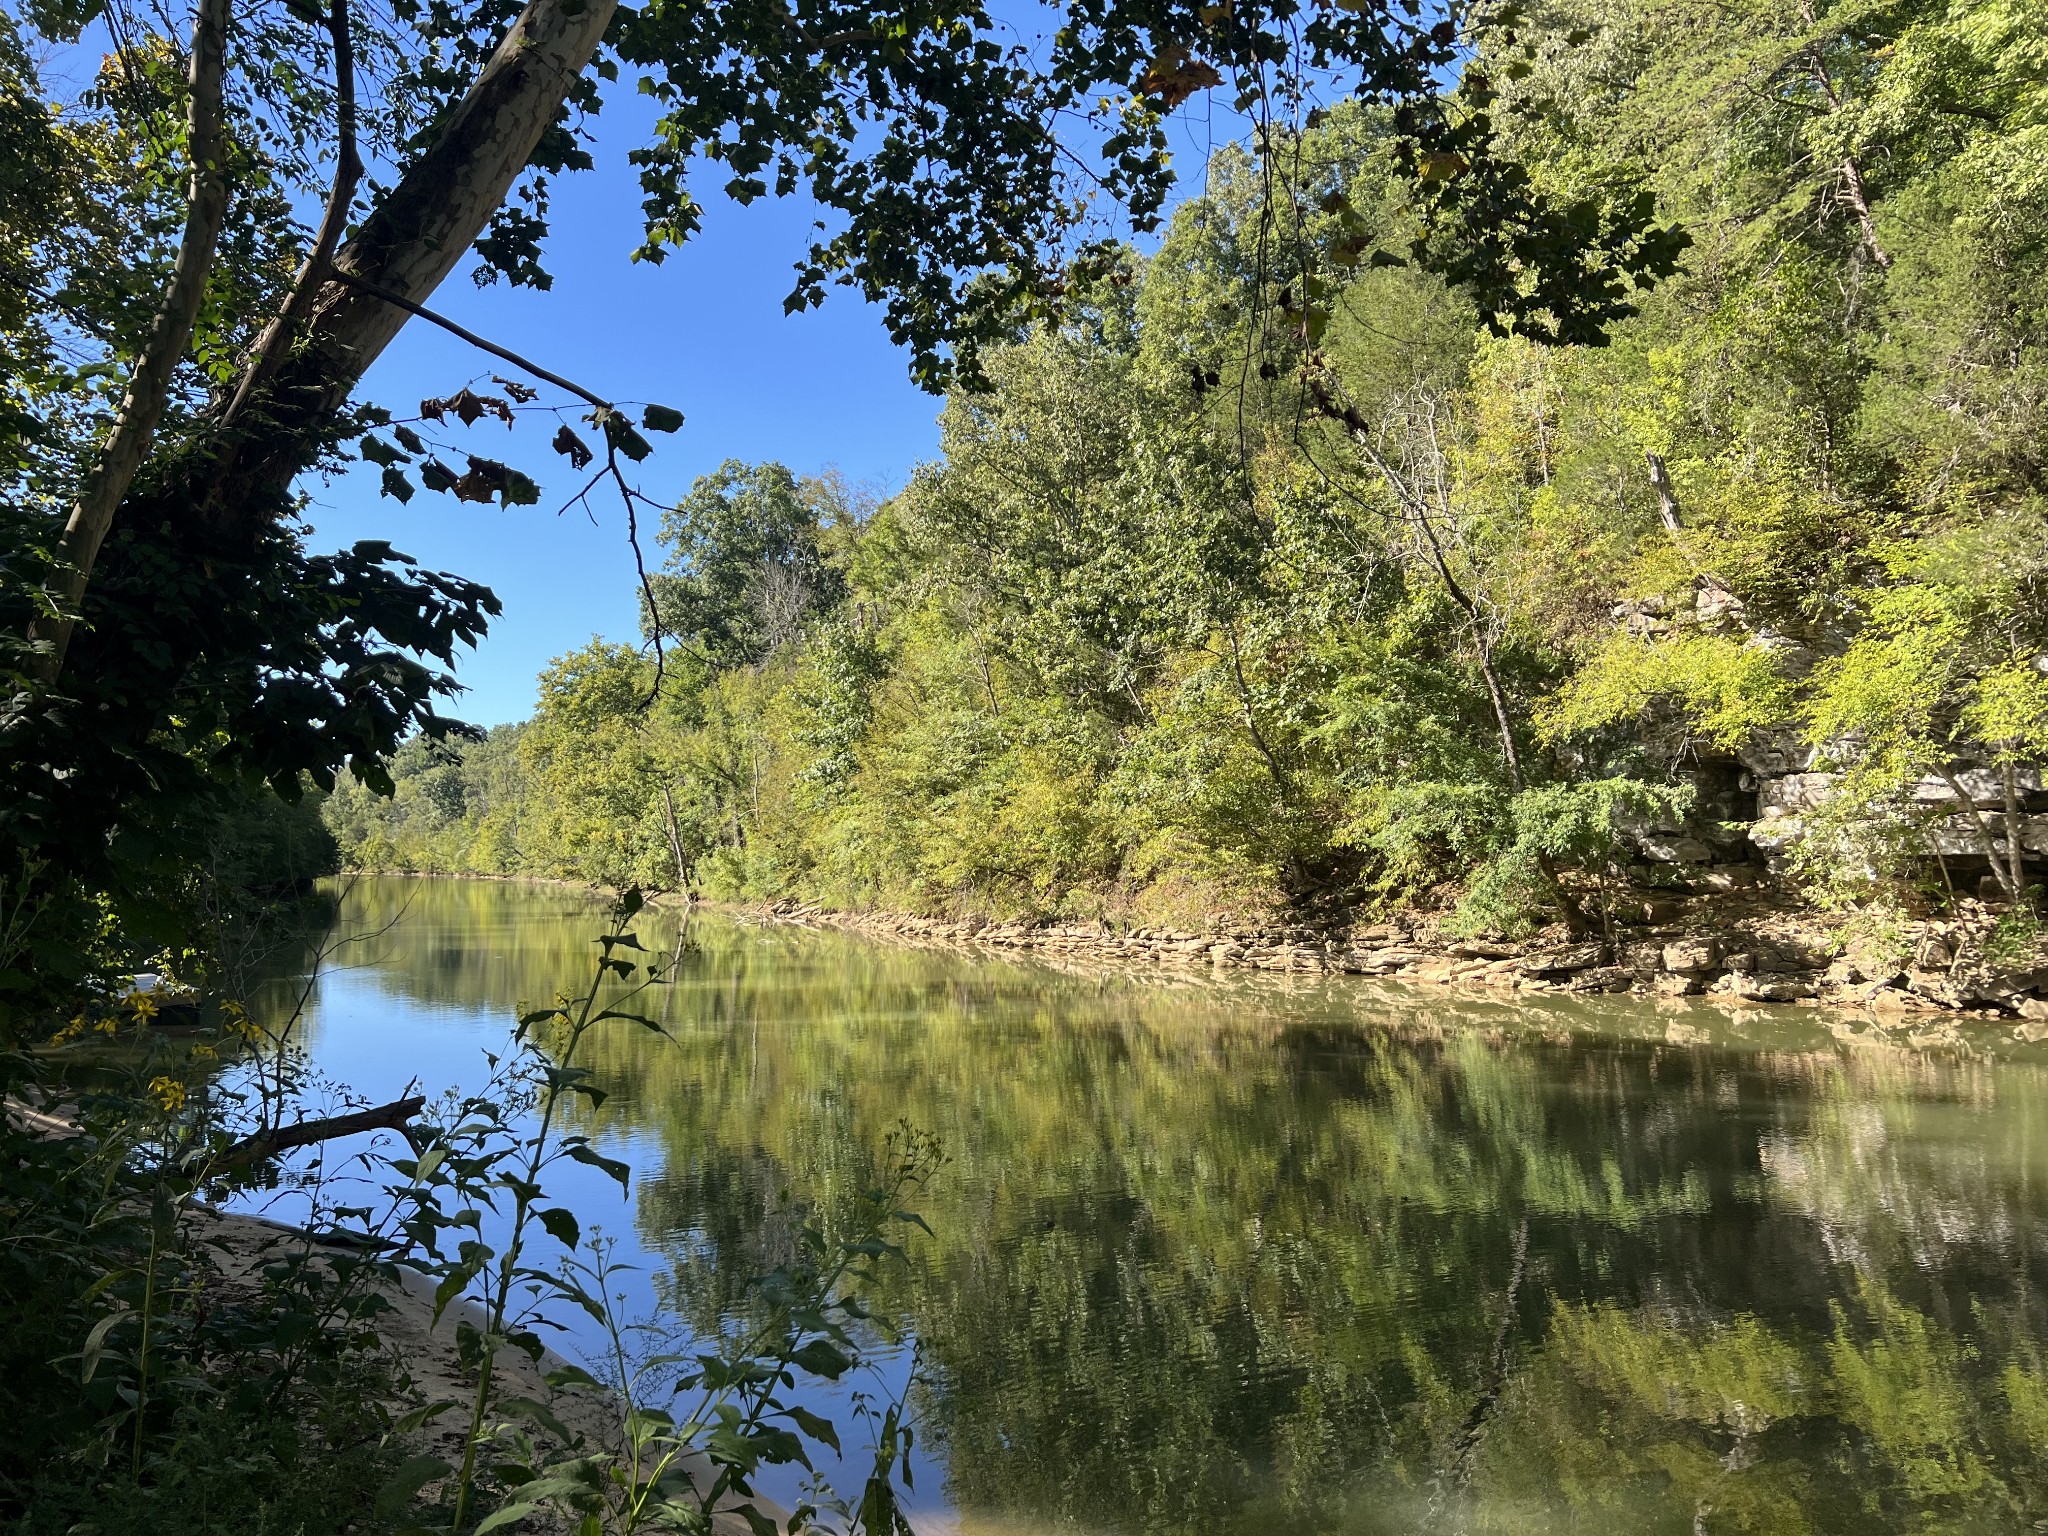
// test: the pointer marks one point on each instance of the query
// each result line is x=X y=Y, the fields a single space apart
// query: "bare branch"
x=348 y=174
x=481 y=343
x=268 y=1144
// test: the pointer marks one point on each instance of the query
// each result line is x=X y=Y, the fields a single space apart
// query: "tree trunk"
x=1984 y=837
x=408 y=244
x=1667 y=498
x=149 y=385
x=675 y=842
x=2014 y=852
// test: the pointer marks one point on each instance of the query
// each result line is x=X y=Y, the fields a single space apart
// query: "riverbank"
x=1739 y=952
x=424 y=1357
x=1740 y=947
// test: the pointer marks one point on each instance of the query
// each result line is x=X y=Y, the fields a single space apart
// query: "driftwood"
x=284 y=1138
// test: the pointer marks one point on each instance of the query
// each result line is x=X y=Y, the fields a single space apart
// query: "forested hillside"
x=1274 y=576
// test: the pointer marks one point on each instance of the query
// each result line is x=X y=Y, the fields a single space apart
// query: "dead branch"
x=268 y=1144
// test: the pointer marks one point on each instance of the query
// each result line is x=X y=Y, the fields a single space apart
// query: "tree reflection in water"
x=1231 y=1257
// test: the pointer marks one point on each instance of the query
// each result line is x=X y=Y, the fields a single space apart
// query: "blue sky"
x=704 y=332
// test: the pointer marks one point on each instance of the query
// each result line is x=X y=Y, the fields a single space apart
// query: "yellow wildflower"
x=168 y=1092
x=205 y=1052
x=70 y=1031
x=143 y=1006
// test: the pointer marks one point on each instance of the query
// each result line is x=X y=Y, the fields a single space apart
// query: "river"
x=1230 y=1256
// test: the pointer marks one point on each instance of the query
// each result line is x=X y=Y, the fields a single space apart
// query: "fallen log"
x=284 y=1138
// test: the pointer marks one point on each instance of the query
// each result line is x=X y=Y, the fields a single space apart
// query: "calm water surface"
x=1224 y=1257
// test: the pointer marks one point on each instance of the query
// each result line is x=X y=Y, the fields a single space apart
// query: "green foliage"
x=1266 y=573
x=745 y=568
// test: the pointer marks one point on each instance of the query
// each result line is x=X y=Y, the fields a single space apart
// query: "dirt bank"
x=423 y=1353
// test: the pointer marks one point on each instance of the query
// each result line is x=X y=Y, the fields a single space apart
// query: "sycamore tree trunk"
x=175 y=620
x=412 y=240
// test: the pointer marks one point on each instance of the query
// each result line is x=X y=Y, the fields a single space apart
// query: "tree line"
x=1275 y=571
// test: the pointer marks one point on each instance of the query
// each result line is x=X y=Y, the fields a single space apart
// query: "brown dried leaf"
x=1173 y=77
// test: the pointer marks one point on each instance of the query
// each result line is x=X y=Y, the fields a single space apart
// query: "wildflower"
x=168 y=1092
x=70 y=1031
x=239 y=1024
x=205 y=1052
x=143 y=1006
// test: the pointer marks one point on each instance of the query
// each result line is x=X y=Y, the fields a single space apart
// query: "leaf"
x=510 y=1514
x=404 y=1485
x=524 y=393
x=436 y=476
x=562 y=1226
x=631 y=1018
x=572 y=447
x=1173 y=77
x=96 y=1343
x=410 y=439
x=661 y=418
x=395 y=484
x=519 y=489
x=1441 y=165
x=422 y=1415
x=620 y=434
x=539 y=1413
x=818 y=1429
x=469 y=406
x=587 y=1155
x=823 y=1358
x=377 y=451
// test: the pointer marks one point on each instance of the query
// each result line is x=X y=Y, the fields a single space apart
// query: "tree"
x=180 y=638
x=746 y=567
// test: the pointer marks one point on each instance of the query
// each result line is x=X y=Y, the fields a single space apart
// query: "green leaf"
x=620 y=434
x=818 y=1429
x=660 y=418
x=562 y=1226
x=510 y=1514
x=96 y=1343
x=422 y=1415
x=377 y=451
x=822 y=1358
x=539 y=1413
x=404 y=1485
x=631 y=1018
x=585 y=1154
x=394 y=483
x=518 y=489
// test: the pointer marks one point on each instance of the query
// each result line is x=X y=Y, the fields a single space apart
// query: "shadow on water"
x=1233 y=1256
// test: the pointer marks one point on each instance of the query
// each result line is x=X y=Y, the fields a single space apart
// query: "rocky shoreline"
x=1759 y=956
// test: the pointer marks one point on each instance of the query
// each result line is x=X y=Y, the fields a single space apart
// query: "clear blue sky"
x=703 y=332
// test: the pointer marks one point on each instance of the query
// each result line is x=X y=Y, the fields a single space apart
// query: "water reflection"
x=1240 y=1257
